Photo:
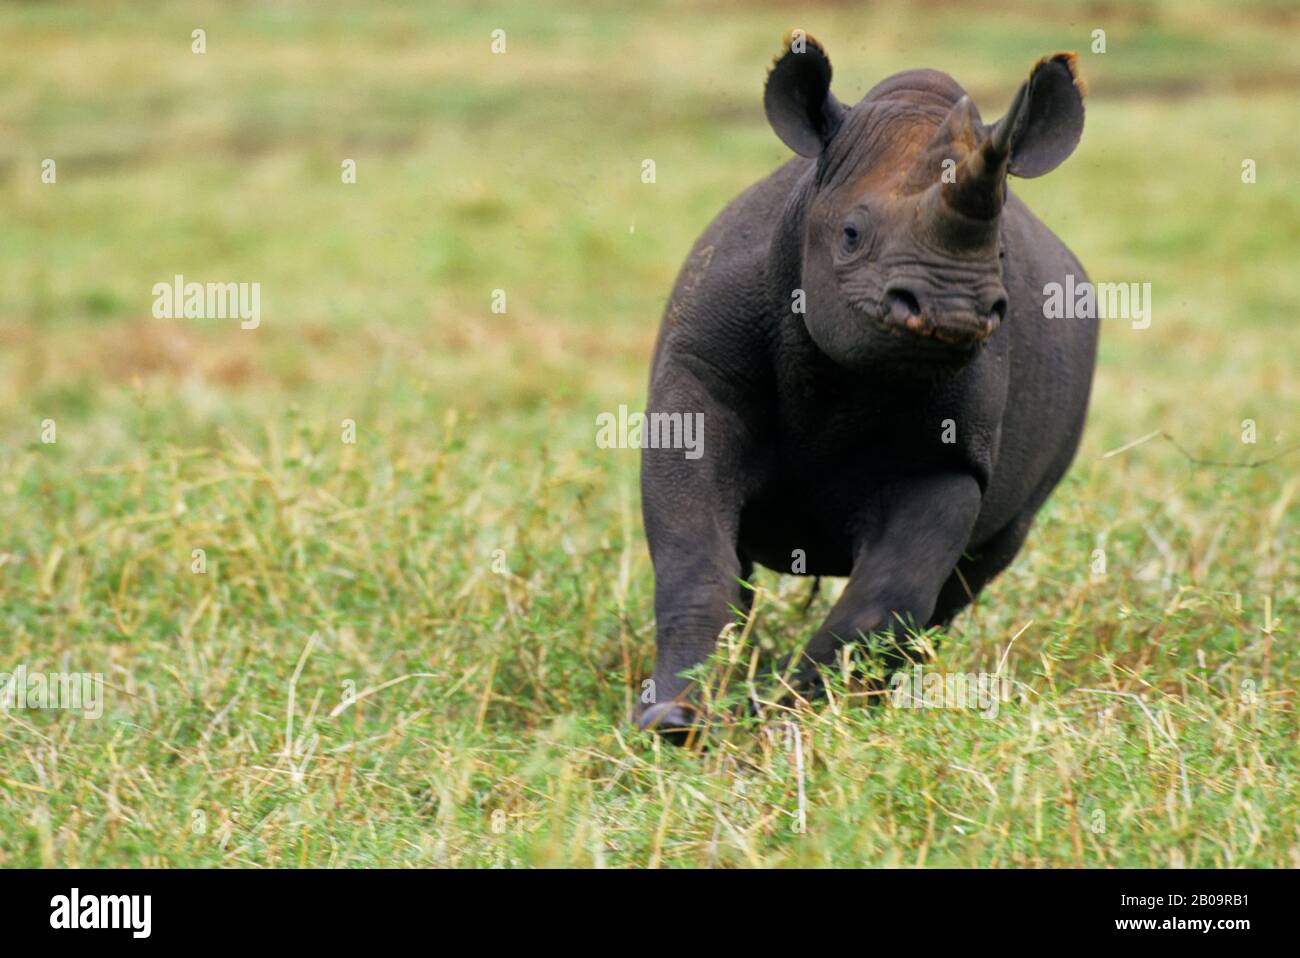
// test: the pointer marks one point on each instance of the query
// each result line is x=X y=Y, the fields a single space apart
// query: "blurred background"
x=521 y=171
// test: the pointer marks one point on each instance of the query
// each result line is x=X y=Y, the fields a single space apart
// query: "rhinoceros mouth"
x=955 y=329
x=950 y=331
x=964 y=329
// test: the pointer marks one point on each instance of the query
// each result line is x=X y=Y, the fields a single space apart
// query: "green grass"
x=1153 y=720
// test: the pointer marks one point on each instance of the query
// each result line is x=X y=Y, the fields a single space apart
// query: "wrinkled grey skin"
x=824 y=430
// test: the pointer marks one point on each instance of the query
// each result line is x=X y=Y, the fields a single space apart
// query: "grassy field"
x=420 y=648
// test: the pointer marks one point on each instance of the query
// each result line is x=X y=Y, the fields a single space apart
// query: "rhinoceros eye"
x=853 y=232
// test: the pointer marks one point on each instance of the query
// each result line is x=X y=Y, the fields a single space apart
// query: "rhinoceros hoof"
x=675 y=721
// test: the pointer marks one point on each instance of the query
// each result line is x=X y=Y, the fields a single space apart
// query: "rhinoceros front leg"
x=691 y=508
x=913 y=534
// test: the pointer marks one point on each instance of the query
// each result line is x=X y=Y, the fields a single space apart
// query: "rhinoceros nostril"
x=901 y=304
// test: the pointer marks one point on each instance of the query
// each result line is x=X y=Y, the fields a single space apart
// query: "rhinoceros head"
x=900 y=216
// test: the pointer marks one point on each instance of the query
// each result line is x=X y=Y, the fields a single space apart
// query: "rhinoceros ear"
x=798 y=99
x=1045 y=121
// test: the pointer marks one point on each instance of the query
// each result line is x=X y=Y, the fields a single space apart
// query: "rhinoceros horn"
x=977 y=187
x=1040 y=129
